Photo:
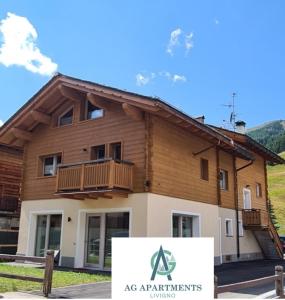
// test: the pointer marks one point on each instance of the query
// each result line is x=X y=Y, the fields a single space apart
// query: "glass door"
x=93 y=248
x=48 y=234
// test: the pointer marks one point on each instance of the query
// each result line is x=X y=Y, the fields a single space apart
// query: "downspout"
x=236 y=205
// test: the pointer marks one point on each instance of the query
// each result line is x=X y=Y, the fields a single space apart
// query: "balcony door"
x=100 y=229
x=246 y=198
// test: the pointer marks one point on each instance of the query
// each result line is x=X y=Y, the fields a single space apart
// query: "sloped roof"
x=49 y=97
x=253 y=145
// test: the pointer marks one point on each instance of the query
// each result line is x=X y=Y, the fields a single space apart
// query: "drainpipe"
x=236 y=205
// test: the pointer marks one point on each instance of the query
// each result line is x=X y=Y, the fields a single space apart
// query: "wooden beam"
x=21 y=134
x=132 y=111
x=70 y=93
x=40 y=117
x=97 y=101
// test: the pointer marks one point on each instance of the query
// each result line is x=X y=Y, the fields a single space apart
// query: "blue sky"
x=193 y=54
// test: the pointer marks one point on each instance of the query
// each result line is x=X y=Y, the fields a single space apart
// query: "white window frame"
x=54 y=167
x=223 y=180
x=240 y=228
x=196 y=223
x=230 y=233
x=246 y=190
x=258 y=190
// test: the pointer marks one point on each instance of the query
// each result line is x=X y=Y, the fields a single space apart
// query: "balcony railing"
x=95 y=175
x=255 y=218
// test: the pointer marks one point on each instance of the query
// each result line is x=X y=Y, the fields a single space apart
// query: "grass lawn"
x=276 y=185
x=60 y=278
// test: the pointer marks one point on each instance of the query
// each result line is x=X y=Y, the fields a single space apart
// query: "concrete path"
x=99 y=290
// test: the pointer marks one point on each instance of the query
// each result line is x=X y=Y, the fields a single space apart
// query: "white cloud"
x=18 y=46
x=181 y=78
x=173 y=41
x=188 y=41
x=142 y=79
x=1 y=123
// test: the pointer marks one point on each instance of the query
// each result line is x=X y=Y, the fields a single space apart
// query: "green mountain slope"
x=276 y=185
x=271 y=135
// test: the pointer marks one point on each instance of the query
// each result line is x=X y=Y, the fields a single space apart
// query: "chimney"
x=201 y=119
x=240 y=127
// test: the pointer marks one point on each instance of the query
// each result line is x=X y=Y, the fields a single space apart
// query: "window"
x=50 y=164
x=224 y=180
x=48 y=233
x=93 y=112
x=66 y=118
x=116 y=151
x=258 y=190
x=229 y=227
x=98 y=152
x=182 y=226
x=240 y=227
x=204 y=169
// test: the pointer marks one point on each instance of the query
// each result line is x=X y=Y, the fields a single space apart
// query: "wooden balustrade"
x=97 y=174
x=255 y=218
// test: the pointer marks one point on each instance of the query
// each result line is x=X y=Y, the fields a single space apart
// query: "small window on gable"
x=66 y=118
x=229 y=227
x=258 y=190
x=116 y=151
x=224 y=180
x=204 y=169
x=93 y=112
x=98 y=152
x=50 y=164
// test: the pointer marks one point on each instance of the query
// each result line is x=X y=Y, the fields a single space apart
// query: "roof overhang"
x=60 y=88
x=252 y=145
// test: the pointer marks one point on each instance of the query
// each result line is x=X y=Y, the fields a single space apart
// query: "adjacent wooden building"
x=100 y=162
x=11 y=161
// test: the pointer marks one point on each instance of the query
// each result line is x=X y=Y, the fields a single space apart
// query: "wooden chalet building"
x=10 y=183
x=102 y=162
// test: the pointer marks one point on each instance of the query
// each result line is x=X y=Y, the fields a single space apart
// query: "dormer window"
x=93 y=112
x=66 y=118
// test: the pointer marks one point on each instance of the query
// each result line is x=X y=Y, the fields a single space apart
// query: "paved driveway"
x=244 y=271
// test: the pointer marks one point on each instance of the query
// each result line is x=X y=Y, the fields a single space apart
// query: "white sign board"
x=157 y=268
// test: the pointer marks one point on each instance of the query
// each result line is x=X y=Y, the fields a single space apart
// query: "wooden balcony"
x=92 y=179
x=255 y=219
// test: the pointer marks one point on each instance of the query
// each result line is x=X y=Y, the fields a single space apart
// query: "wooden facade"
x=162 y=146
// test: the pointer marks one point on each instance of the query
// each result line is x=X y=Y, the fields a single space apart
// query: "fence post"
x=215 y=287
x=48 y=272
x=279 y=282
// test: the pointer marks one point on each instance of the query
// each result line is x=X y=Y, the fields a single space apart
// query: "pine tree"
x=272 y=215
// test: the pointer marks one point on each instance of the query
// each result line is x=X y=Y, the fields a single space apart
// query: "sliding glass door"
x=100 y=229
x=48 y=233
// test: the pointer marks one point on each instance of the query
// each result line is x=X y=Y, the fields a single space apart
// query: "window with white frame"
x=50 y=164
x=258 y=190
x=182 y=226
x=229 y=227
x=240 y=228
x=224 y=180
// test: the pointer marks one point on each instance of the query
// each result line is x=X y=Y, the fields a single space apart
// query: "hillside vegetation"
x=271 y=135
x=276 y=184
